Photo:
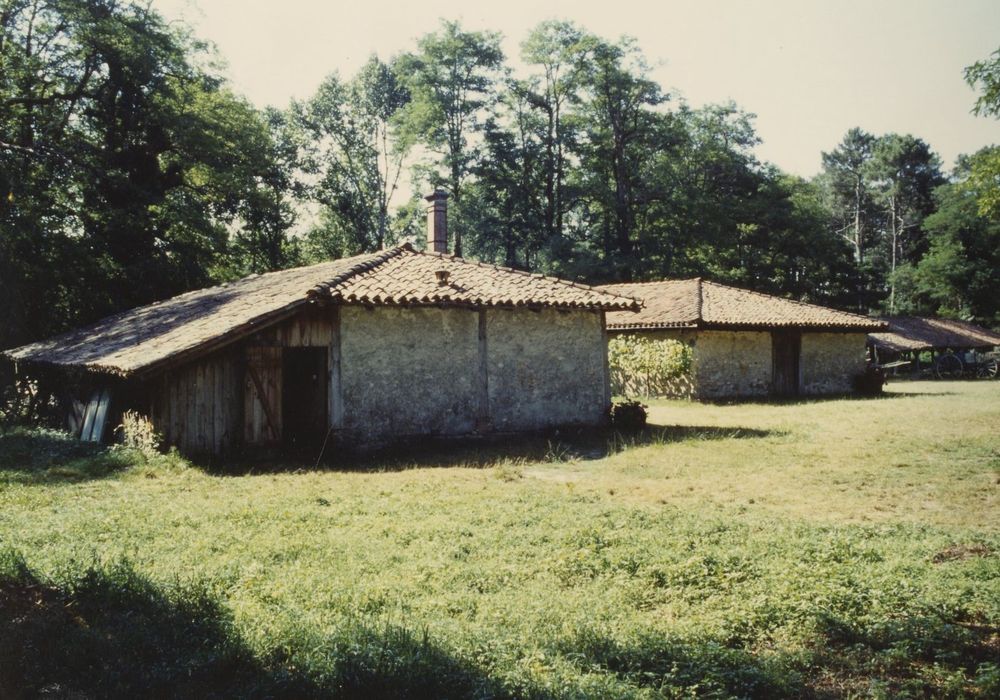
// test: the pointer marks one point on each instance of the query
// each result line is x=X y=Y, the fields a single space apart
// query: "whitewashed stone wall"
x=408 y=371
x=830 y=361
x=545 y=368
x=418 y=371
x=732 y=363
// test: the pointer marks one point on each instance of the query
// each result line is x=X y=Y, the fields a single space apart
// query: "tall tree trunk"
x=895 y=245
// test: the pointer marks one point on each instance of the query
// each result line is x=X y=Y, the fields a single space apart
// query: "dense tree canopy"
x=130 y=171
x=127 y=166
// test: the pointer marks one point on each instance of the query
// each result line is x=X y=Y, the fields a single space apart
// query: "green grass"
x=819 y=548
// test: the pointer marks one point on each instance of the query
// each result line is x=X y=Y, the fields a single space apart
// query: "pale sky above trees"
x=809 y=70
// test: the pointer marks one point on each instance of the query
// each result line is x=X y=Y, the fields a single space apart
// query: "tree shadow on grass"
x=825 y=398
x=110 y=632
x=577 y=444
x=915 y=655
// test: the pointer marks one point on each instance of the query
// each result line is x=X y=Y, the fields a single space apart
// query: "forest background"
x=132 y=170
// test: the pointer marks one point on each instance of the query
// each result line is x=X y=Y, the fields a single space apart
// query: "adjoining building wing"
x=746 y=343
x=698 y=303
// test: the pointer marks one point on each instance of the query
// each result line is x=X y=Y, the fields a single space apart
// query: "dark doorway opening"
x=786 y=349
x=304 y=397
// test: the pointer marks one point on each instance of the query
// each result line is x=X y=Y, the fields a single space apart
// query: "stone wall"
x=830 y=361
x=732 y=363
x=419 y=371
x=408 y=371
x=545 y=368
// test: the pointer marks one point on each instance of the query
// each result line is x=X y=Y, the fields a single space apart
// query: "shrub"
x=647 y=367
x=137 y=433
x=628 y=415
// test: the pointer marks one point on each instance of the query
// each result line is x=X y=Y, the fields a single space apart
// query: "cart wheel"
x=948 y=367
x=987 y=369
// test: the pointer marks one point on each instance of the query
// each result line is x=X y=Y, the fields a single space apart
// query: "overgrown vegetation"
x=642 y=366
x=818 y=549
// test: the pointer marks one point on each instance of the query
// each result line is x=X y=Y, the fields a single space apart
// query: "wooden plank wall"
x=199 y=407
x=262 y=392
x=309 y=329
x=211 y=405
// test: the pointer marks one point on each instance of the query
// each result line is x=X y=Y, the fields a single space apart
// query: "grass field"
x=817 y=548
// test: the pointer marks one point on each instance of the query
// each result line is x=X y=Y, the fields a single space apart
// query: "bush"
x=137 y=433
x=645 y=367
x=870 y=382
x=628 y=415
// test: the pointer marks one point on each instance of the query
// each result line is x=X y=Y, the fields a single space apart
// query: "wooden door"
x=304 y=383
x=786 y=347
x=262 y=394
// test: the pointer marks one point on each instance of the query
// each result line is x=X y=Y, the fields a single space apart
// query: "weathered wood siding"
x=310 y=329
x=262 y=396
x=198 y=407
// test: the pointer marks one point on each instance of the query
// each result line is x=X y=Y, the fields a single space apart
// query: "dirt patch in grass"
x=958 y=552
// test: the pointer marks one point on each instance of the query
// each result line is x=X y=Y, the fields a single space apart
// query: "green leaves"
x=132 y=167
x=646 y=367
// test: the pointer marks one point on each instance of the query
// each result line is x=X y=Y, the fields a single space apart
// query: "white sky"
x=810 y=70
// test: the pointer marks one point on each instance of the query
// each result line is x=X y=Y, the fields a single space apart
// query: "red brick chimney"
x=437 y=221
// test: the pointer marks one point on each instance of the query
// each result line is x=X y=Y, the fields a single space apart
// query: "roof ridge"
x=791 y=301
x=377 y=260
x=526 y=273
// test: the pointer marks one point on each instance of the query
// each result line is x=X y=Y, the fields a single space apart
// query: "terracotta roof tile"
x=142 y=338
x=697 y=303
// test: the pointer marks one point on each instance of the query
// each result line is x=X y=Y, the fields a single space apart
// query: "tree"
x=451 y=77
x=846 y=168
x=960 y=273
x=560 y=50
x=903 y=172
x=620 y=139
x=354 y=151
x=126 y=164
x=506 y=225
x=984 y=174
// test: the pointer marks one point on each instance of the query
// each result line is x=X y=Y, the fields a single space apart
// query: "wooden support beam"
x=605 y=366
x=335 y=392
x=483 y=415
x=262 y=398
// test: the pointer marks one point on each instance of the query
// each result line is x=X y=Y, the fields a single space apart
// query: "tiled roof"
x=908 y=333
x=698 y=303
x=143 y=338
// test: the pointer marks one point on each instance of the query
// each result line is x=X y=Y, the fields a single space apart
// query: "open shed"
x=951 y=347
x=747 y=343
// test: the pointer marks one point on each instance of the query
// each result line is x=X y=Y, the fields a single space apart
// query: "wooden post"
x=335 y=393
x=483 y=417
x=606 y=369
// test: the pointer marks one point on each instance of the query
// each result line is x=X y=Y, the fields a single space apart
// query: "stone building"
x=362 y=350
x=748 y=344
